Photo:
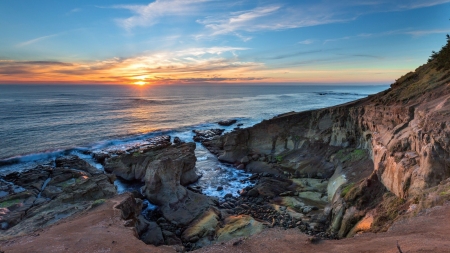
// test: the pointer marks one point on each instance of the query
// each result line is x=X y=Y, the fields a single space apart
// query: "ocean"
x=41 y=122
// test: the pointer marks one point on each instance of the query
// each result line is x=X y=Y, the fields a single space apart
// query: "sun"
x=140 y=83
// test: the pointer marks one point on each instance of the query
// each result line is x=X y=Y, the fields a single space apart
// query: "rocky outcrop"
x=41 y=196
x=206 y=135
x=399 y=138
x=227 y=122
x=165 y=171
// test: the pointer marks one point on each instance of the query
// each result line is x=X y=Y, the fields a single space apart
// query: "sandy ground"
x=102 y=230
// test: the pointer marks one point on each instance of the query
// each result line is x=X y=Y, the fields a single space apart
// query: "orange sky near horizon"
x=146 y=71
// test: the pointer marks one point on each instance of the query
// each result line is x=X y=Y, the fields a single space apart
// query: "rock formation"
x=395 y=142
x=41 y=196
x=165 y=171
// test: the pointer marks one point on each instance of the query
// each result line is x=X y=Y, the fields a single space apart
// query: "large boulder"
x=165 y=171
x=136 y=165
x=238 y=226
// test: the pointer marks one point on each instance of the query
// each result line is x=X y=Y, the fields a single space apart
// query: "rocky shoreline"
x=330 y=173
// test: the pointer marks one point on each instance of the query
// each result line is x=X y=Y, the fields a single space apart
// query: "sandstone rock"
x=314 y=196
x=204 y=226
x=271 y=187
x=238 y=226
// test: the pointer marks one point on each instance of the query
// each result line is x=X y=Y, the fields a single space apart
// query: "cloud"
x=32 y=41
x=73 y=11
x=418 y=33
x=294 y=54
x=415 y=33
x=270 y=18
x=416 y=4
x=210 y=50
x=306 y=42
x=244 y=20
x=147 y=15
x=194 y=64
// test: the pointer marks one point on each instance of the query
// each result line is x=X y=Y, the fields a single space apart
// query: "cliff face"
x=399 y=137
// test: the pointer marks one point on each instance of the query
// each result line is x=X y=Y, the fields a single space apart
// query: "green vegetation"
x=8 y=203
x=98 y=202
x=67 y=183
x=279 y=158
x=441 y=59
x=357 y=154
x=347 y=189
x=389 y=209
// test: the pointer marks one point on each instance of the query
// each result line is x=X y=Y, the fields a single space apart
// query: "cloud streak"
x=415 y=33
x=269 y=18
x=218 y=64
x=32 y=41
x=150 y=14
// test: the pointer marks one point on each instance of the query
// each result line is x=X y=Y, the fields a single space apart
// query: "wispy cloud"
x=32 y=41
x=418 y=33
x=306 y=42
x=415 y=4
x=269 y=18
x=415 y=33
x=219 y=64
x=147 y=15
x=75 y=10
x=244 y=20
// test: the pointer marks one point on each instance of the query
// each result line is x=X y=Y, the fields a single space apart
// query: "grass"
x=67 y=183
x=279 y=158
x=98 y=202
x=388 y=211
x=355 y=155
x=8 y=203
x=347 y=189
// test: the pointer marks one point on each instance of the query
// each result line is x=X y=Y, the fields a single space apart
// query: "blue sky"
x=196 y=41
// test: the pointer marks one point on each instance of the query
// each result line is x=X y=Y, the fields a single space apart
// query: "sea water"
x=41 y=122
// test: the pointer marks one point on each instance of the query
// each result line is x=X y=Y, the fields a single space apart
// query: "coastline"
x=311 y=171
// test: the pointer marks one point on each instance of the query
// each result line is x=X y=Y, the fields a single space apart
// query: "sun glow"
x=140 y=83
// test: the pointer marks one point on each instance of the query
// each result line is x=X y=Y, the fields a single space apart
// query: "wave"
x=120 y=143
x=146 y=101
x=339 y=93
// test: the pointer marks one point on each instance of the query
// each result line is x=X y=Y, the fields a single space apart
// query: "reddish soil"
x=102 y=230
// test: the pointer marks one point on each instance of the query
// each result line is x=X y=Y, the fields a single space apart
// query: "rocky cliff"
x=395 y=142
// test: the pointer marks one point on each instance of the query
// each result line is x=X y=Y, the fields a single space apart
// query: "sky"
x=217 y=41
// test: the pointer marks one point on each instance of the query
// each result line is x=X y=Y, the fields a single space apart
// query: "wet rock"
x=240 y=166
x=245 y=160
x=206 y=135
x=227 y=122
x=228 y=195
x=177 y=140
x=74 y=162
x=153 y=235
x=220 y=188
x=100 y=157
x=307 y=209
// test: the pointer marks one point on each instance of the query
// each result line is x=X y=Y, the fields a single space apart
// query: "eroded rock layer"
x=398 y=140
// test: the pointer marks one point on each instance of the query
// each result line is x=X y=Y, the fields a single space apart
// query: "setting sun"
x=140 y=83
